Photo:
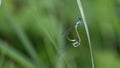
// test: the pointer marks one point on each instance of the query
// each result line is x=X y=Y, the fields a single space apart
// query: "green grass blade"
x=87 y=31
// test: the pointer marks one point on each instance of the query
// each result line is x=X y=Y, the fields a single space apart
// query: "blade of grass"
x=87 y=31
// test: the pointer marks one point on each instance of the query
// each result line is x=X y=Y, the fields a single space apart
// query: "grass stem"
x=87 y=31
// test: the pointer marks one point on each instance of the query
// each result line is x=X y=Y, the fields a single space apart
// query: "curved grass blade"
x=87 y=31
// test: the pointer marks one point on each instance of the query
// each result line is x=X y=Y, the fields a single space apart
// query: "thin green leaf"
x=87 y=31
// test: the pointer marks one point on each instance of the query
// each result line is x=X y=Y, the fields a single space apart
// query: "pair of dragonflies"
x=76 y=41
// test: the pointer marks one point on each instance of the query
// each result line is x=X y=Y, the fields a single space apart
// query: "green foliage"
x=31 y=34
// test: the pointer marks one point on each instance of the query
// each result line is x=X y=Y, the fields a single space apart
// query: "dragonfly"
x=75 y=42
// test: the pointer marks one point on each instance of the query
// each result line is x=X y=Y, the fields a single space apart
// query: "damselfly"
x=76 y=41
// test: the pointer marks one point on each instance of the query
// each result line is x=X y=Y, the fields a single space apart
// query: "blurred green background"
x=31 y=34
